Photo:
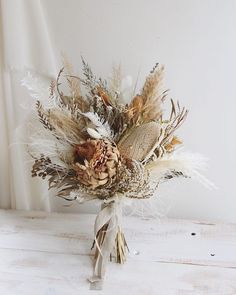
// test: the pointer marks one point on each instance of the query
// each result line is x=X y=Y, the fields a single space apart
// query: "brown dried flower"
x=96 y=162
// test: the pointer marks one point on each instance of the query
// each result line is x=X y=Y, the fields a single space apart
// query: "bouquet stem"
x=109 y=239
x=120 y=245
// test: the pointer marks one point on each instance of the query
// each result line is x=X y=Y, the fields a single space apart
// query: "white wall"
x=196 y=40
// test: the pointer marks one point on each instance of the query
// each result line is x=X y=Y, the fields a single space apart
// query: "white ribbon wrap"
x=111 y=215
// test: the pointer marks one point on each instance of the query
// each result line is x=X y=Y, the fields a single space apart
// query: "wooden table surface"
x=49 y=254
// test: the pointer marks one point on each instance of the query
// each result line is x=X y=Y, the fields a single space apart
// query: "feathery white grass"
x=190 y=164
x=39 y=89
x=40 y=141
x=100 y=126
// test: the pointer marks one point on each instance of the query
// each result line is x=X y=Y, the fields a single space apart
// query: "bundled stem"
x=120 y=245
x=110 y=240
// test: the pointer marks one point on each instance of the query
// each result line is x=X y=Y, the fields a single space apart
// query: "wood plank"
x=30 y=272
x=162 y=240
x=43 y=253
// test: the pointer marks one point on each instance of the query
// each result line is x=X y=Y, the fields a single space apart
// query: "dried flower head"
x=96 y=162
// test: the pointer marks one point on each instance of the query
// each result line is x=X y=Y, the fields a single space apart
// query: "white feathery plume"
x=190 y=164
x=101 y=127
x=40 y=141
x=126 y=88
x=151 y=208
x=58 y=153
x=39 y=89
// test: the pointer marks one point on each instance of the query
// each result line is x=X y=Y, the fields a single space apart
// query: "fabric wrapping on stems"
x=110 y=214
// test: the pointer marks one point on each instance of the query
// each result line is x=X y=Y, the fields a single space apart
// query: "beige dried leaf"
x=135 y=108
x=170 y=146
x=65 y=127
x=140 y=141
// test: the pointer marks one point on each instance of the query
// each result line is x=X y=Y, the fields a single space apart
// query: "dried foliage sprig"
x=43 y=116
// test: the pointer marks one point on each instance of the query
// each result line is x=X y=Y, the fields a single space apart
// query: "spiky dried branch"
x=43 y=116
x=176 y=119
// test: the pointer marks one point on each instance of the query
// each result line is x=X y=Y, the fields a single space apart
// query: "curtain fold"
x=25 y=44
x=5 y=195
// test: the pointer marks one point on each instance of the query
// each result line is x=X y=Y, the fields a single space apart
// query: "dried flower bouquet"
x=94 y=146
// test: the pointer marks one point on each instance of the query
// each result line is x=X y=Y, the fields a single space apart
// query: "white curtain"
x=25 y=45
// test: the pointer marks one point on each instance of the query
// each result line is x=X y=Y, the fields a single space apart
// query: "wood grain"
x=43 y=253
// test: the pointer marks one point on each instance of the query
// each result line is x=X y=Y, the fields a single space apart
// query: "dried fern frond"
x=62 y=179
x=43 y=167
x=43 y=116
x=64 y=183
